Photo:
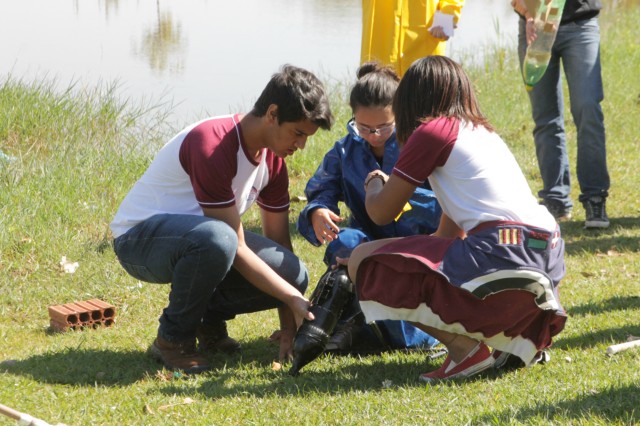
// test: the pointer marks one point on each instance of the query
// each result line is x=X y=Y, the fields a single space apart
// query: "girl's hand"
x=375 y=175
x=341 y=261
x=324 y=225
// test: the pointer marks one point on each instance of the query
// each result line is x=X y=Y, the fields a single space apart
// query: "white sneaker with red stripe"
x=478 y=360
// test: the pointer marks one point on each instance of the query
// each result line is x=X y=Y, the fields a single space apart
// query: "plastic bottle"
x=546 y=22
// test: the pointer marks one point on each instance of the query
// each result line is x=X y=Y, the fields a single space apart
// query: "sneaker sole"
x=596 y=225
x=507 y=361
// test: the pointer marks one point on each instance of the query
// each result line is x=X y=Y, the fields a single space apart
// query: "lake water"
x=205 y=56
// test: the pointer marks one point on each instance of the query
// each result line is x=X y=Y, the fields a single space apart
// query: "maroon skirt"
x=500 y=291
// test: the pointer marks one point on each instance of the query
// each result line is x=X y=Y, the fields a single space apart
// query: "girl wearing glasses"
x=370 y=144
x=489 y=275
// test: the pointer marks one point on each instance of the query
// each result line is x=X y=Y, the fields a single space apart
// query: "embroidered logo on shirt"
x=253 y=195
x=538 y=240
x=509 y=236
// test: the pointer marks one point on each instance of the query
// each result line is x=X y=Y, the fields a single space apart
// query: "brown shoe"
x=179 y=356
x=214 y=338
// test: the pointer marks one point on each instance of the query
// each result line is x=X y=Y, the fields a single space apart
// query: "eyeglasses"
x=384 y=131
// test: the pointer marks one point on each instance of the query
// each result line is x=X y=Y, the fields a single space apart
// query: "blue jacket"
x=340 y=177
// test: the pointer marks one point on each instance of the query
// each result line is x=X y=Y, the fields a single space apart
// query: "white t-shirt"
x=475 y=177
x=205 y=165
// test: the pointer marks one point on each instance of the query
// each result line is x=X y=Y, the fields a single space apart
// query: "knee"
x=354 y=262
x=348 y=239
x=300 y=277
x=216 y=239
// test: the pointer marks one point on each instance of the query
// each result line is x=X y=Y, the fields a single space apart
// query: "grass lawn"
x=70 y=156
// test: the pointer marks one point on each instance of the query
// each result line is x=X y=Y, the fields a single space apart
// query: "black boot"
x=333 y=292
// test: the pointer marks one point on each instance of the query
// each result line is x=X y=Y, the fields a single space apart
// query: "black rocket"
x=333 y=292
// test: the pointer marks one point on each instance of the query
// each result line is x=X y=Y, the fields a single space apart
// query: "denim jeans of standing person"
x=577 y=45
x=195 y=254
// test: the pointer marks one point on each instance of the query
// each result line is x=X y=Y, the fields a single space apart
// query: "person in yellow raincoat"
x=397 y=32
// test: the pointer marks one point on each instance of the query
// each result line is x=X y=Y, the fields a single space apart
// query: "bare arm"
x=275 y=226
x=255 y=270
x=384 y=201
x=527 y=8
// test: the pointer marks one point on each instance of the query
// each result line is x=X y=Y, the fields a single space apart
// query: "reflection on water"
x=208 y=56
x=163 y=44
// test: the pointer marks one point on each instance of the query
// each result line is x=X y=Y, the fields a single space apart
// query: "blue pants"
x=577 y=44
x=393 y=334
x=195 y=254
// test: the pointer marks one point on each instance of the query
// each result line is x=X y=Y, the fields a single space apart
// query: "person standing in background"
x=397 y=32
x=577 y=45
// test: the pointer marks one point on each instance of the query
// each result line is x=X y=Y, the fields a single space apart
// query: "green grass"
x=76 y=152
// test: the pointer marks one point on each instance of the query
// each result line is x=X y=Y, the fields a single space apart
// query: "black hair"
x=375 y=87
x=434 y=86
x=298 y=94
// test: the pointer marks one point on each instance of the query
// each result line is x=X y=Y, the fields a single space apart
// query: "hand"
x=375 y=175
x=285 y=338
x=299 y=306
x=438 y=32
x=341 y=261
x=520 y=7
x=531 y=31
x=324 y=225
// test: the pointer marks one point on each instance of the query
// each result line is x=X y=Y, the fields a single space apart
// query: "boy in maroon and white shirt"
x=180 y=223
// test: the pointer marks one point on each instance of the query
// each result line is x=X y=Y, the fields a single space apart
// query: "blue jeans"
x=577 y=44
x=195 y=254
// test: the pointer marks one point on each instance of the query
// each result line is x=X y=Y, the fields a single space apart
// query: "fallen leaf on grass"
x=185 y=401
x=610 y=252
x=67 y=266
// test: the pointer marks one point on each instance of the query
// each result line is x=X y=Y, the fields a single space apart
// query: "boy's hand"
x=285 y=338
x=291 y=317
x=299 y=306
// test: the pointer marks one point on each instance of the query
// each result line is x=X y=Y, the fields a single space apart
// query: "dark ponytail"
x=375 y=87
